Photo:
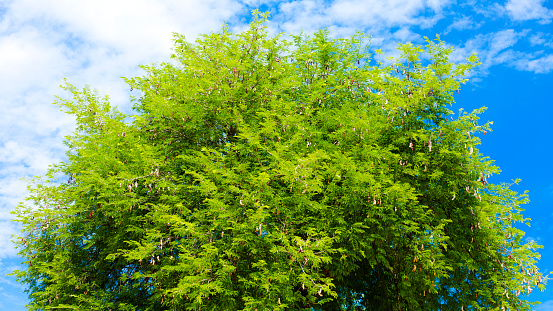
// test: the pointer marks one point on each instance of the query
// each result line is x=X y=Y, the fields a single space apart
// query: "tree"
x=261 y=173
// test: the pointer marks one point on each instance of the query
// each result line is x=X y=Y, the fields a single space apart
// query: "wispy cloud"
x=523 y=10
x=387 y=13
x=463 y=23
x=492 y=48
x=500 y=48
x=490 y=10
x=541 y=38
x=516 y=10
x=542 y=64
x=372 y=16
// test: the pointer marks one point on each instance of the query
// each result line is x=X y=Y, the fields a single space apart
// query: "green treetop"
x=261 y=173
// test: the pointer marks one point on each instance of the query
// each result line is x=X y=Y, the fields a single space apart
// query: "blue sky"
x=96 y=42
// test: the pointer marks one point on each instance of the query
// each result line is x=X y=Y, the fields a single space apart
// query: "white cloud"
x=308 y=15
x=386 y=13
x=29 y=61
x=538 y=65
x=404 y=34
x=523 y=10
x=502 y=40
x=463 y=23
x=492 y=49
x=7 y=228
x=491 y=11
x=499 y=48
x=258 y=3
x=537 y=39
x=541 y=39
x=346 y=16
x=89 y=42
x=128 y=23
x=438 y=5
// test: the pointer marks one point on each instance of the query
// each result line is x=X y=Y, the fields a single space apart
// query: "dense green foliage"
x=261 y=173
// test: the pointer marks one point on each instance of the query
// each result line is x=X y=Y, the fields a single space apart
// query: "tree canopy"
x=266 y=173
